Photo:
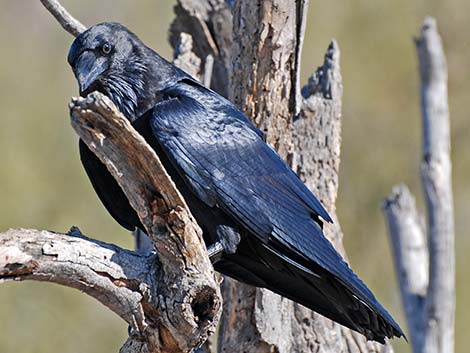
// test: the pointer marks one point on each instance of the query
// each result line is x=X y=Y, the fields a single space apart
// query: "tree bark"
x=209 y=23
x=191 y=303
x=429 y=308
x=306 y=130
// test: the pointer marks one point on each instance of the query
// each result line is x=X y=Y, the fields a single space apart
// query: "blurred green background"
x=42 y=184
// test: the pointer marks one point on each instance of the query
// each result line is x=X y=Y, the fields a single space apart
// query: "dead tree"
x=304 y=125
x=426 y=270
x=249 y=51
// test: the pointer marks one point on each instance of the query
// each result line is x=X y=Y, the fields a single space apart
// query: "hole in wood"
x=203 y=305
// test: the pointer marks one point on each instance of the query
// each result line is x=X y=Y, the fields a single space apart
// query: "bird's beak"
x=87 y=69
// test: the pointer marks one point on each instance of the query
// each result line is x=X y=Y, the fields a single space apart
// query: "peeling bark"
x=266 y=53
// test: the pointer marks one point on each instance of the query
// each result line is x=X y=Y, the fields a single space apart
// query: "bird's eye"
x=106 y=48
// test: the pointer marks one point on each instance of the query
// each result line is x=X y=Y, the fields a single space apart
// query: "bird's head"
x=109 y=58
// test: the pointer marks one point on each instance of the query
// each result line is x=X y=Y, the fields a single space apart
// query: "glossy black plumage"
x=235 y=184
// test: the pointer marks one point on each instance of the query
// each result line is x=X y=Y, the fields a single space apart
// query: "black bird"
x=243 y=195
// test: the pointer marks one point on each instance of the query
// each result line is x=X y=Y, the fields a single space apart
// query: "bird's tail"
x=320 y=292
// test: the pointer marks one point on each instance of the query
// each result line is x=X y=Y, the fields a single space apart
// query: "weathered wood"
x=264 y=81
x=429 y=308
x=264 y=62
x=185 y=58
x=263 y=86
x=410 y=252
x=436 y=177
x=193 y=295
x=120 y=279
x=209 y=22
x=317 y=137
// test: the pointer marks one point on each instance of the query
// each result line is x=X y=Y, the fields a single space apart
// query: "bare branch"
x=317 y=136
x=410 y=252
x=436 y=179
x=302 y=11
x=66 y=20
x=120 y=279
x=429 y=308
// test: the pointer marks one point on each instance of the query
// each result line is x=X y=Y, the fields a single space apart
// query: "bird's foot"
x=228 y=240
x=215 y=251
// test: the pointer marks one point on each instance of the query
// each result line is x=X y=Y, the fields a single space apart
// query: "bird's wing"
x=224 y=158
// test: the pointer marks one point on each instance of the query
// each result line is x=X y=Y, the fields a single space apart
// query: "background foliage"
x=42 y=184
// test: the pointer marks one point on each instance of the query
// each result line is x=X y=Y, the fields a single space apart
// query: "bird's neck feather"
x=136 y=86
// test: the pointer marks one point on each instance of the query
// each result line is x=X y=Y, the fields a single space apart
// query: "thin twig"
x=208 y=68
x=66 y=20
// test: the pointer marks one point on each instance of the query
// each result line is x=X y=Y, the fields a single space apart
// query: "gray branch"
x=435 y=331
x=66 y=20
x=121 y=280
x=410 y=252
x=436 y=178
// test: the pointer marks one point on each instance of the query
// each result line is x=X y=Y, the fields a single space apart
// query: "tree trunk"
x=305 y=128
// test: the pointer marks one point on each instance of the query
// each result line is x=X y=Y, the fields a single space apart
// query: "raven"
x=243 y=195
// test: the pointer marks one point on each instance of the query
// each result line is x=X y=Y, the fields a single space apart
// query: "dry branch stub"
x=410 y=253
